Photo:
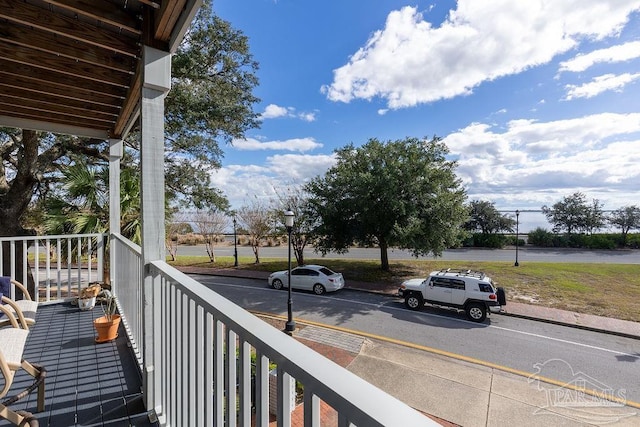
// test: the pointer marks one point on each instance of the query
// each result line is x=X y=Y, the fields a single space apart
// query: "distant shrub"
x=190 y=239
x=541 y=237
x=511 y=240
x=480 y=240
x=633 y=241
x=601 y=241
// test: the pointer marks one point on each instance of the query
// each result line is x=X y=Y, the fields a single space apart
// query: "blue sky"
x=535 y=100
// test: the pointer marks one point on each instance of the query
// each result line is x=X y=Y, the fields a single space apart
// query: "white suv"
x=468 y=290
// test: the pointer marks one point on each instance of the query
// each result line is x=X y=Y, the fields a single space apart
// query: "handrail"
x=199 y=328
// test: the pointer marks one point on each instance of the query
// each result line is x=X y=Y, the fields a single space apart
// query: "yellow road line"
x=456 y=356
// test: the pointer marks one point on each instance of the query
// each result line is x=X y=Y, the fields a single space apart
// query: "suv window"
x=485 y=287
x=443 y=282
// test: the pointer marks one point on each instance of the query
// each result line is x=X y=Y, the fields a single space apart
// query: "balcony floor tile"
x=87 y=384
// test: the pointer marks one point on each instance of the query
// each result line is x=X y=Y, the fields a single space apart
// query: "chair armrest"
x=23 y=288
x=20 y=322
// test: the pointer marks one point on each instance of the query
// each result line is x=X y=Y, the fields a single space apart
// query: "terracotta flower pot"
x=107 y=330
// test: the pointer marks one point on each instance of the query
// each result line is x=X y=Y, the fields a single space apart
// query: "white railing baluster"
x=209 y=368
x=218 y=376
x=244 y=375
x=262 y=389
x=311 y=408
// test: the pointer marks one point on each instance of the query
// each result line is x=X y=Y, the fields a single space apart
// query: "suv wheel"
x=476 y=312
x=413 y=302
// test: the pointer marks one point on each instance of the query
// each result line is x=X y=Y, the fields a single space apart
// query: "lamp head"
x=288 y=218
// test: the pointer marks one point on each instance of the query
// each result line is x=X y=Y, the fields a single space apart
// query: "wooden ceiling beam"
x=67 y=48
x=54 y=103
x=34 y=114
x=66 y=66
x=26 y=14
x=167 y=17
x=63 y=92
x=103 y=12
x=60 y=81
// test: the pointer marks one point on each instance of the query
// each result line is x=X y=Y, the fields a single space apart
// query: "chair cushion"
x=5 y=286
x=28 y=308
x=12 y=343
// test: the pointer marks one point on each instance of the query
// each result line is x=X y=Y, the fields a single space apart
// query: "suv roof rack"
x=460 y=272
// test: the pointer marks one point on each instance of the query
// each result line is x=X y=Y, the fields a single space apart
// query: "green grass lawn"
x=611 y=290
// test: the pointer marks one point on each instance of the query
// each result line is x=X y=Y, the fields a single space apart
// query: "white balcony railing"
x=206 y=361
x=60 y=265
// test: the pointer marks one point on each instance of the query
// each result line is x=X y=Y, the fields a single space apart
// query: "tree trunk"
x=384 y=255
x=14 y=200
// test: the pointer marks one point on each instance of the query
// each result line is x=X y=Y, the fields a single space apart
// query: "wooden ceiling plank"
x=103 y=12
x=62 y=81
x=57 y=45
x=68 y=67
x=53 y=103
x=48 y=21
x=27 y=113
x=65 y=92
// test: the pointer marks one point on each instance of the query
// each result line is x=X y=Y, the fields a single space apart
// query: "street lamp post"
x=290 y=325
x=517 y=236
x=235 y=244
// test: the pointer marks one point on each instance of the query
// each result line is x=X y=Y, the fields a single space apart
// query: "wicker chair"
x=12 y=342
x=24 y=310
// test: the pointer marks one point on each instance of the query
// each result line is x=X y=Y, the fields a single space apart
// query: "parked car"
x=468 y=290
x=314 y=278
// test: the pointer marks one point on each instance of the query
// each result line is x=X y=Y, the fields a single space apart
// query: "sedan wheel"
x=318 y=289
x=276 y=284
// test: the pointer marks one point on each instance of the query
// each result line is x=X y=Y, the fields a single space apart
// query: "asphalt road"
x=526 y=254
x=552 y=351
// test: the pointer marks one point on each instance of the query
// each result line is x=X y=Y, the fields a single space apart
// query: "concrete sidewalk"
x=460 y=392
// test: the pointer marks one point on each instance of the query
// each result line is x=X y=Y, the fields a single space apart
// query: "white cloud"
x=294 y=144
x=273 y=111
x=300 y=168
x=411 y=62
x=600 y=84
x=242 y=183
x=618 y=53
x=596 y=154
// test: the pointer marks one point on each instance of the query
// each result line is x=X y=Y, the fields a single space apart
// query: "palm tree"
x=82 y=204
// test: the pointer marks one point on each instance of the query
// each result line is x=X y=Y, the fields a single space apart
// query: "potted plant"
x=107 y=325
x=87 y=298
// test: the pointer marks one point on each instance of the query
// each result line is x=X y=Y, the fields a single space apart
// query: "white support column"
x=155 y=85
x=115 y=155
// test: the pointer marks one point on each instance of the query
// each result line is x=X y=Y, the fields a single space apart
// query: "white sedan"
x=314 y=278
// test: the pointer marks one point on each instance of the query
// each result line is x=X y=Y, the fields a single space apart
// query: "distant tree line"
x=575 y=223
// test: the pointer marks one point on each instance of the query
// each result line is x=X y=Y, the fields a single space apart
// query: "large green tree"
x=485 y=218
x=626 y=218
x=400 y=193
x=213 y=75
x=573 y=214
